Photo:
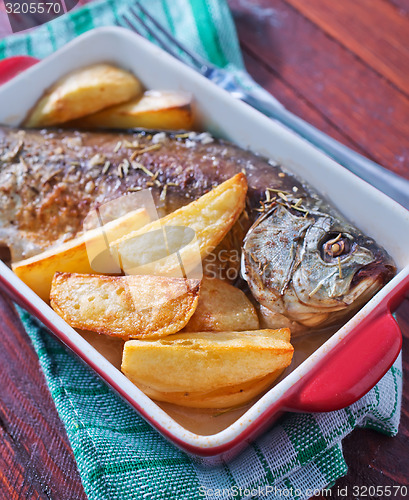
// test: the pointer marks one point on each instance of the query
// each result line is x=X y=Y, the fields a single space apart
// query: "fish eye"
x=334 y=245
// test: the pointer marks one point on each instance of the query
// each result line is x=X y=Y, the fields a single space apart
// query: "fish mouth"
x=365 y=283
x=368 y=280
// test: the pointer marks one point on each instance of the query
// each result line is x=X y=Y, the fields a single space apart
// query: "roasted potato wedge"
x=207 y=370
x=83 y=92
x=222 y=308
x=74 y=255
x=125 y=306
x=176 y=244
x=164 y=110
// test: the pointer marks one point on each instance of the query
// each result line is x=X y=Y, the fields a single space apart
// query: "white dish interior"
x=374 y=213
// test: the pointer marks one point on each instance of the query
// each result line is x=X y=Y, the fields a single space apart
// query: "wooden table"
x=343 y=66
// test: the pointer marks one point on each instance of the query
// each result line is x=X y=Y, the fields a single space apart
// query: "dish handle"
x=12 y=66
x=356 y=364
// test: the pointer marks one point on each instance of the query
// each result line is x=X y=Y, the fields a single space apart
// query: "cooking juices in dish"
x=255 y=225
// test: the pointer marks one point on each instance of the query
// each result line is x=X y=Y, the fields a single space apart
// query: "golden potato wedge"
x=83 y=92
x=125 y=306
x=74 y=256
x=165 y=110
x=176 y=244
x=222 y=308
x=207 y=370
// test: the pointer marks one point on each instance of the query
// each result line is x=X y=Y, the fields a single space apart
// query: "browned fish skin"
x=51 y=179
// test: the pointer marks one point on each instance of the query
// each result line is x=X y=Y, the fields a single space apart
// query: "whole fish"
x=303 y=262
x=307 y=266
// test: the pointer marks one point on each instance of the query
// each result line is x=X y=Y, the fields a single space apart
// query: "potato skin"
x=83 y=92
x=164 y=110
x=125 y=306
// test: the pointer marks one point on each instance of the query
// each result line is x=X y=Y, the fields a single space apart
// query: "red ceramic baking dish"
x=329 y=372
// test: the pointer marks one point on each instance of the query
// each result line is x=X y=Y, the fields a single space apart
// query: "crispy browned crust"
x=51 y=179
x=125 y=306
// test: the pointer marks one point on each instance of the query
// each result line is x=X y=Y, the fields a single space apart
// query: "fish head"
x=312 y=267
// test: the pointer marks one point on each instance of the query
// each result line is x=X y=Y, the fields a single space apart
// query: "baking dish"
x=339 y=372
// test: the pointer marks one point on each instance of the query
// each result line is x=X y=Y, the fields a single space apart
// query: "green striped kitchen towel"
x=119 y=456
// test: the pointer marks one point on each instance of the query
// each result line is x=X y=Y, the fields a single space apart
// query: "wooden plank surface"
x=373 y=30
x=326 y=77
x=36 y=460
x=309 y=56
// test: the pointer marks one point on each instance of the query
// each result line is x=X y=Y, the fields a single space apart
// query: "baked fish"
x=303 y=262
